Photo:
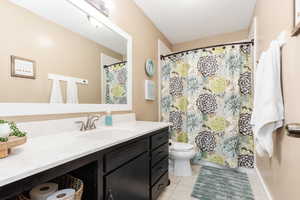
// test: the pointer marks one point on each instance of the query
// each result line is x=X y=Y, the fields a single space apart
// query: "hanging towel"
x=56 y=96
x=72 y=92
x=268 y=110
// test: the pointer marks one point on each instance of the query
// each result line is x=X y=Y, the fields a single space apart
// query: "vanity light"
x=94 y=22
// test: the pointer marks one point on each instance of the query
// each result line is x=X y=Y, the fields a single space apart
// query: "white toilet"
x=181 y=155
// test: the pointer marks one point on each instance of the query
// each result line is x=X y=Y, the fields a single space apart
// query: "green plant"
x=14 y=129
x=3 y=139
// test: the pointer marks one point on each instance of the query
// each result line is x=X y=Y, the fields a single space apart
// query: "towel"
x=268 y=110
x=56 y=96
x=72 y=92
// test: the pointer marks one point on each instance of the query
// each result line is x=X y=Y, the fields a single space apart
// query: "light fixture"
x=100 y=5
x=94 y=22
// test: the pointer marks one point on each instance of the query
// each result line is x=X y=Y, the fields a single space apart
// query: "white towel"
x=268 y=110
x=72 y=92
x=56 y=96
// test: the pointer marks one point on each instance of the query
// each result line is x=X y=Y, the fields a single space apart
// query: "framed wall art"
x=23 y=68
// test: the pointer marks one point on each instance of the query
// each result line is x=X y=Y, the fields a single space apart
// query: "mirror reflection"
x=48 y=56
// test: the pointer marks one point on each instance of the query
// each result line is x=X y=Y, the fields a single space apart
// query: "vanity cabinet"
x=159 y=151
x=130 y=181
x=133 y=170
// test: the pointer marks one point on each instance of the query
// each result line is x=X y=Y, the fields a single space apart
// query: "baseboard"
x=263 y=183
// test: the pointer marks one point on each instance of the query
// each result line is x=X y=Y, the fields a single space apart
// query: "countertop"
x=45 y=152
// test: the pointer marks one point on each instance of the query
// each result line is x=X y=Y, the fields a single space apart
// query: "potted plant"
x=5 y=130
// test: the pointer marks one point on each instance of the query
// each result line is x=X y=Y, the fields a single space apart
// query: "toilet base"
x=182 y=168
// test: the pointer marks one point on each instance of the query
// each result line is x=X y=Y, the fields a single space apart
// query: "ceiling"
x=186 y=20
x=76 y=21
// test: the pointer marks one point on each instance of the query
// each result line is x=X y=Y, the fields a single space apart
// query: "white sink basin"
x=106 y=133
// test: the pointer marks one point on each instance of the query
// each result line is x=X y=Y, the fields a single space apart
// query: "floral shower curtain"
x=116 y=83
x=207 y=95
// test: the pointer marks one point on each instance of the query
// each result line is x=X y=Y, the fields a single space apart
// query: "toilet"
x=180 y=157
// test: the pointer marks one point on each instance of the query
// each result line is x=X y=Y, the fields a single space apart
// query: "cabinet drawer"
x=159 y=169
x=121 y=155
x=159 y=186
x=159 y=153
x=159 y=139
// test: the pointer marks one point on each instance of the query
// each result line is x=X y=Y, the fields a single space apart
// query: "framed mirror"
x=82 y=61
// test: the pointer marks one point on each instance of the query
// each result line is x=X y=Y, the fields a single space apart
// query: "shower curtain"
x=207 y=95
x=116 y=83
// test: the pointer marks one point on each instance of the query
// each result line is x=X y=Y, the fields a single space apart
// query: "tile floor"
x=181 y=187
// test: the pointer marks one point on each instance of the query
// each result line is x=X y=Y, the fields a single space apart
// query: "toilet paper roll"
x=43 y=191
x=67 y=194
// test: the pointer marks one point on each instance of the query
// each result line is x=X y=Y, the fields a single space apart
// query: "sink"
x=119 y=128
x=106 y=133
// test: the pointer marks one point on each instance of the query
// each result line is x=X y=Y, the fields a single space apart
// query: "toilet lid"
x=177 y=146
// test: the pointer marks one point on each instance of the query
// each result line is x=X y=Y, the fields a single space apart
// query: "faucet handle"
x=82 y=128
x=93 y=120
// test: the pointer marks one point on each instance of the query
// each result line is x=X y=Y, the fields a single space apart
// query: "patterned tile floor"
x=181 y=187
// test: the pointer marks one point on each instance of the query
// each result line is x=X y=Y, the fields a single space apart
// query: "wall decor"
x=149 y=67
x=296 y=29
x=22 y=67
x=149 y=90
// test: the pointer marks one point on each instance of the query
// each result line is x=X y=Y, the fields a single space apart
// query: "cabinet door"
x=131 y=181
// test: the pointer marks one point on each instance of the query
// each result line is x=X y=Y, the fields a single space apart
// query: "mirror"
x=57 y=52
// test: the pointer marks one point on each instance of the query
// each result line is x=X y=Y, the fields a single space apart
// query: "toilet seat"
x=181 y=147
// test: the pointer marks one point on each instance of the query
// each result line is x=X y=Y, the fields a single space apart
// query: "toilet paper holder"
x=293 y=129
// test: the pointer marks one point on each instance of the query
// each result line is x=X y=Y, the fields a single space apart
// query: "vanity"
x=129 y=166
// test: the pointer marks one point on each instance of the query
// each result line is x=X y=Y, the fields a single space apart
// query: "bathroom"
x=111 y=99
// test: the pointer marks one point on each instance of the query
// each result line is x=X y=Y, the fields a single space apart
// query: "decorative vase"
x=4 y=130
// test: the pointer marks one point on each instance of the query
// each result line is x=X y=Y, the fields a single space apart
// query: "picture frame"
x=296 y=17
x=23 y=67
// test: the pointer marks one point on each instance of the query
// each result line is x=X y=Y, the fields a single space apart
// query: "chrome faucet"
x=89 y=124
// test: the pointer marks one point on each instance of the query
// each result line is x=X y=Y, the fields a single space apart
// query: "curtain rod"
x=208 y=47
x=118 y=63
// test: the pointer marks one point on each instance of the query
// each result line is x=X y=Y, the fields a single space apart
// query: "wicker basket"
x=63 y=182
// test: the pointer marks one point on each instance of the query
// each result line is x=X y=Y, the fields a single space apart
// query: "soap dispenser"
x=108 y=118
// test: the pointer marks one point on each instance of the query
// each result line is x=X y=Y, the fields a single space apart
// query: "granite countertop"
x=45 y=152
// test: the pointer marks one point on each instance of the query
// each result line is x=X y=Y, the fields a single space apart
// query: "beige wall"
x=145 y=36
x=212 y=40
x=145 y=45
x=55 y=50
x=281 y=173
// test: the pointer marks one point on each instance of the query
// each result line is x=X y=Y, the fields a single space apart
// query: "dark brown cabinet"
x=131 y=181
x=159 y=162
x=133 y=170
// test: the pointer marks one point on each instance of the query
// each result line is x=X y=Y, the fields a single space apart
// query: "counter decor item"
x=66 y=184
x=10 y=137
x=149 y=67
x=108 y=118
